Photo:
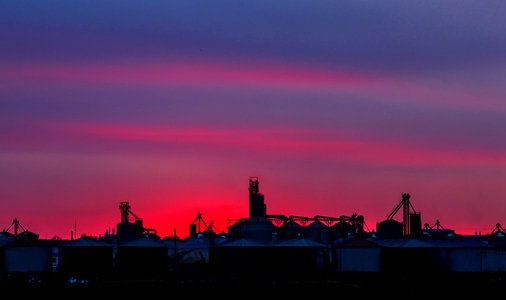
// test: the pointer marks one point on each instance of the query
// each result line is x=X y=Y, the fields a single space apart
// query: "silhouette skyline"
x=339 y=108
x=410 y=223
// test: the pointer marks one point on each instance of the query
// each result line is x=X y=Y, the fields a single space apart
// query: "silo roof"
x=242 y=242
x=299 y=242
x=460 y=243
x=404 y=243
x=5 y=240
x=87 y=242
x=144 y=242
x=359 y=243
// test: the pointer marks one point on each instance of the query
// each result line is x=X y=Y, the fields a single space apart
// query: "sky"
x=337 y=107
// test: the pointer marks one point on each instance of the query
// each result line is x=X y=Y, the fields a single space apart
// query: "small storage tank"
x=389 y=229
x=318 y=232
x=258 y=229
x=341 y=229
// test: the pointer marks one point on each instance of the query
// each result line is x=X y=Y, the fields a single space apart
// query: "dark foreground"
x=394 y=286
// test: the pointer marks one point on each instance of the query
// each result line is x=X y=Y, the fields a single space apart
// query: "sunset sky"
x=338 y=107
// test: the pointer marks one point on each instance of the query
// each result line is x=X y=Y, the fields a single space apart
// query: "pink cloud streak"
x=329 y=145
x=200 y=74
x=187 y=74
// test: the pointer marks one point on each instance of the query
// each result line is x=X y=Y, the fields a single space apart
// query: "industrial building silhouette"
x=272 y=245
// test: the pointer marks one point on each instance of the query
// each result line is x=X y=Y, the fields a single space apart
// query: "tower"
x=257 y=207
